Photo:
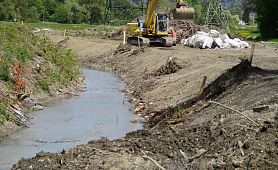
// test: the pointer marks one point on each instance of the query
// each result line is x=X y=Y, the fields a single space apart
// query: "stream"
x=102 y=110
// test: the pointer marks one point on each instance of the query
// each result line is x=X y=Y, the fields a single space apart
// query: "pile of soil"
x=112 y=33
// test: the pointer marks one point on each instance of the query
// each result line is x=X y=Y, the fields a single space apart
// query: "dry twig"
x=227 y=107
x=154 y=161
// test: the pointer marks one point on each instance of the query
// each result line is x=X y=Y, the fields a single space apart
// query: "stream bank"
x=201 y=137
x=101 y=110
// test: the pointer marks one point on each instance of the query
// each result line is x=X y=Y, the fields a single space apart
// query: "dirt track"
x=203 y=135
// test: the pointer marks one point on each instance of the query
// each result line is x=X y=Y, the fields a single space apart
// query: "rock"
x=65 y=151
x=237 y=163
x=37 y=107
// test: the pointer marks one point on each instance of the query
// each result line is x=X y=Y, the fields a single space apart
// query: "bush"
x=4 y=115
x=5 y=73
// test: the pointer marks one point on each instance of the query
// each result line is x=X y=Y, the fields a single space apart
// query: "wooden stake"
x=65 y=33
x=202 y=86
x=252 y=53
x=138 y=41
x=124 y=40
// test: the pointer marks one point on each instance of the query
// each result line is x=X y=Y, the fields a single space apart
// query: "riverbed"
x=101 y=111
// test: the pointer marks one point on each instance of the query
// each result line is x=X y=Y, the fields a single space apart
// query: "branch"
x=154 y=161
x=227 y=107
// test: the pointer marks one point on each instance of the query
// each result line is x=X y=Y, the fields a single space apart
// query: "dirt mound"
x=230 y=78
x=233 y=76
x=106 y=32
x=171 y=66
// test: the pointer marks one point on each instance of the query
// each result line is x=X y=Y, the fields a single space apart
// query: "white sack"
x=190 y=41
x=208 y=42
x=218 y=42
x=224 y=37
x=214 y=34
x=233 y=43
x=199 y=39
x=226 y=46
x=244 y=44
x=237 y=40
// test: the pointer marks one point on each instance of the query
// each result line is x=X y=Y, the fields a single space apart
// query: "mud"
x=189 y=132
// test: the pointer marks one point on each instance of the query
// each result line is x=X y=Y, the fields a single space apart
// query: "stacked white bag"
x=214 y=39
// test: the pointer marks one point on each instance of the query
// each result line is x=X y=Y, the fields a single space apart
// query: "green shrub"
x=4 y=115
x=43 y=84
x=5 y=73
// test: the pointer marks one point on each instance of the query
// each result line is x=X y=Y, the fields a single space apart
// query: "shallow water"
x=97 y=112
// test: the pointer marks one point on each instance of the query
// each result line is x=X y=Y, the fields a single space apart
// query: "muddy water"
x=102 y=110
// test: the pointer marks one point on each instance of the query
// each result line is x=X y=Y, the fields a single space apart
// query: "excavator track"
x=142 y=41
x=138 y=41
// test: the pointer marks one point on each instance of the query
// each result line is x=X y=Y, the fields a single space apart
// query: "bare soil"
x=186 y=131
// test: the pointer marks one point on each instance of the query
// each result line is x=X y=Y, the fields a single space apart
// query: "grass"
x=19 y=44
x=59 y=26
x=4 y=115
x=252 y=33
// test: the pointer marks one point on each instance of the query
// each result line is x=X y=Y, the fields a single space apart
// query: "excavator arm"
x=150 y=14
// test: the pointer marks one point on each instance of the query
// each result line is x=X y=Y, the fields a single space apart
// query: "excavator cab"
x=162 y=23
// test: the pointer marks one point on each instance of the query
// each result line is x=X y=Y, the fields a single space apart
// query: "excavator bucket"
x=183 y=13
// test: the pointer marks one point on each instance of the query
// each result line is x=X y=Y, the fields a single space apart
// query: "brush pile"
x=171 y=66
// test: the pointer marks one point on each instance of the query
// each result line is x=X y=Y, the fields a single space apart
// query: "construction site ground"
x=186 y=131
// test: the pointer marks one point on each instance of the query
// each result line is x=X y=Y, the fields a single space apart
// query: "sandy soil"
x=191 y=134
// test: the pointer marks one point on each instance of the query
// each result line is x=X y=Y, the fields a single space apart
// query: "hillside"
x=32 y=69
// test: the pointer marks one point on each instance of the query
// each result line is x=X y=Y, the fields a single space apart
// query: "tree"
x=33 y=14
x=267 y=17
x=61 y=14
x=37 y=8
x=95 y=10
x=21 y=9
x=7 y=10
x=49 y=9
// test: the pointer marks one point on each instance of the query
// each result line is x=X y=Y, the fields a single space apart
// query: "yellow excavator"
x=154 y=29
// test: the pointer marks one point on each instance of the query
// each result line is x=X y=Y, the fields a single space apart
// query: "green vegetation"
x=20 y=45
x=4 y=115
x=61 y=11
x=267 y=19
x=253 y=34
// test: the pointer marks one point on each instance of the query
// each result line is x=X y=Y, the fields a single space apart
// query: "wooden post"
x=65 y=33
x=138 y=41
x=252 y=53
x=124 y=40
x=202 y=86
